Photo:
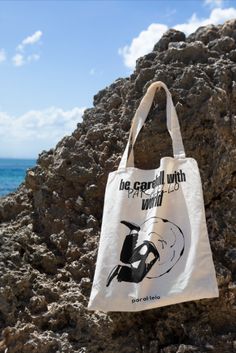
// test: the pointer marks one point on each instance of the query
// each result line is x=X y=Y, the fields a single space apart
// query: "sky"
x=56 y=55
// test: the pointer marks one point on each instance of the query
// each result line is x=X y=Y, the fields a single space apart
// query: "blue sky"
x=55 y=55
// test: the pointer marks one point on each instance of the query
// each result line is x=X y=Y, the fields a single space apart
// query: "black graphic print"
x=162 y=244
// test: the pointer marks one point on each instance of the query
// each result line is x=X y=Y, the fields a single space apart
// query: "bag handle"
x=138 y=121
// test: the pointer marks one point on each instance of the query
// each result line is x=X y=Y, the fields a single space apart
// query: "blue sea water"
x=12 y=173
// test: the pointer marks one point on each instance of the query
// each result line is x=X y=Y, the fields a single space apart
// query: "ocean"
x=12 y=173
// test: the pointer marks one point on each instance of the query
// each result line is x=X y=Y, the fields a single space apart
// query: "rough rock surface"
x=50 y=227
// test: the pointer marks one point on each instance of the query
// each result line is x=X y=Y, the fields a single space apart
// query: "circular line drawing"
x=152 y=249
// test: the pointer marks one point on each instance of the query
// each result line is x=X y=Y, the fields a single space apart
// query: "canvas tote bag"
x=154 y=248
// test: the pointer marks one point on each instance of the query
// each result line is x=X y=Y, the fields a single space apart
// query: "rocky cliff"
x=50 y=227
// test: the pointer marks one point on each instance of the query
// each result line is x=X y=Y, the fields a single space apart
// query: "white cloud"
x=21 y=58
x=214 y=2
x=2 y=55
x=145 y=41
x=34 y=38
x=142 y=44
x=217 y=16
x=18 y=60
x=28 y=134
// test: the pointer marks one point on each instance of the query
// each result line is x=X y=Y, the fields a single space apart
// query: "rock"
x=114 y=101
x=60 y=241
x=205 y=34
x=11 y=206
x=50 y=227
x=231 y=258
x=144 y=75
x=189 y=54
x=228 y=29
x=177 y=45
x=171 y=35
x=222 y=45
x=223 y=275
x=186 y=349
x=232 y=55
x=38 y=304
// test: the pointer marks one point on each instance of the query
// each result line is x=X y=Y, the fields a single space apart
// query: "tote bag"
x=154 y=248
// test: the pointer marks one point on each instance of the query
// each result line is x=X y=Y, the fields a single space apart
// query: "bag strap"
x=138 y=121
